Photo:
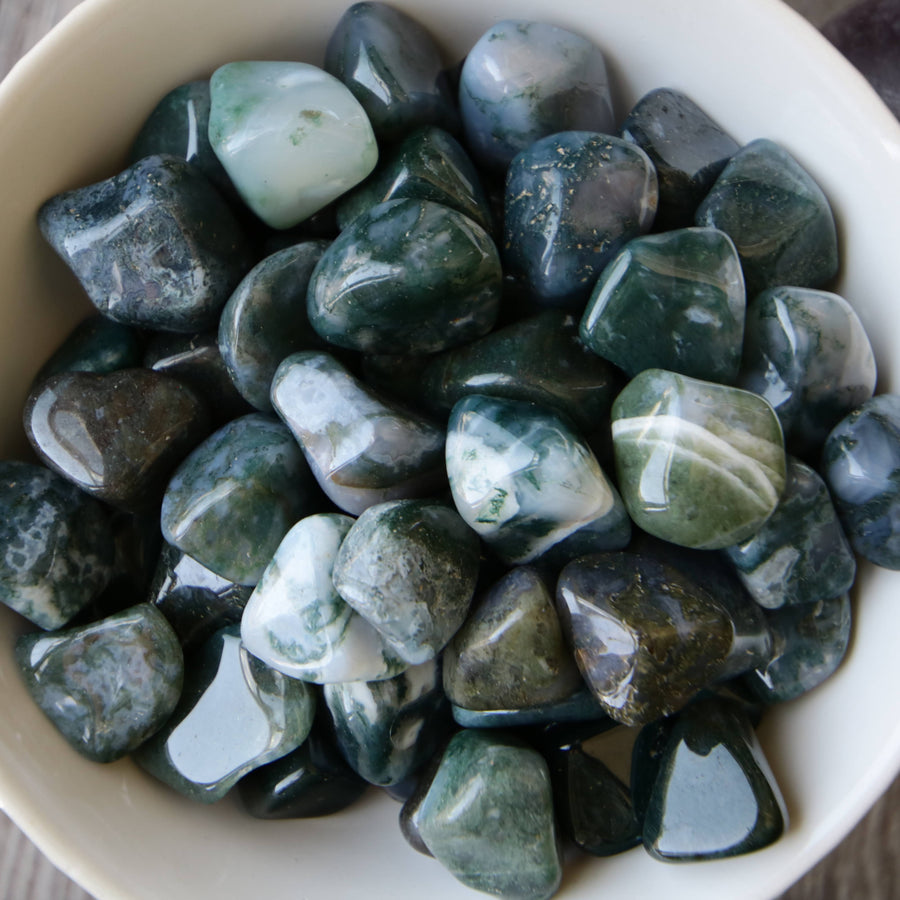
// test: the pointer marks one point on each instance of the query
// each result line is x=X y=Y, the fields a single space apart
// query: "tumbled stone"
x=807 y=353
x=235 y=497
x=573 y=200
x=487 y=778
x=235 y=714
x=580 y=706
x=714 y=795
x=265 y=320
x=117 y=436
x=689 y=284
x=525 y=80
x=777 y=216
x=410 y=567
x=800 y=554
x=861 y=466
x=510 y=651
x=290 y=136
x=393 y=67
x=688 y=148
x=407 y=276
x=699 y=464
x=296 y=621
x=155 y=246
x=361 y=449
x=526 y=482
x=107 y=686
x=388 y=729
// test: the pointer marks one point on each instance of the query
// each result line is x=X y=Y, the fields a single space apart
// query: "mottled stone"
x=265 y=320
x=525 y=481
x=408 y=276
x=410 y=568
x=393 y=67
x=296 y=621
x=361 y=449
x=116 y=436
x=777 y=216
x=234 y=498
x=108 y=686
x=689 y=284
x=525 y=80
x=388 y=729
x=688 y=148
x=573 y=200
x=807 y=353
x=800 y=554
x=235 y=714
x=699 y=464
x=155 y=246
x=580 y=706
x=291 y=137
x=490 y=778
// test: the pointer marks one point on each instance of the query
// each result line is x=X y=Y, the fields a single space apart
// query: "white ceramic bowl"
x=68 y=112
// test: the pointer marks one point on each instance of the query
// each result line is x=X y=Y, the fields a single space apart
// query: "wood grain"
x=866 y=866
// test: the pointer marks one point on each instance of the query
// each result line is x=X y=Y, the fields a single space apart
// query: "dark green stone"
x=234 y=498
x=108 y=686
x=580 y=706
x=117 y=436
x=408 y=276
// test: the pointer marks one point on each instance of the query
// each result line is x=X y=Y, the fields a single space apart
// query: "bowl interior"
x=69 y=112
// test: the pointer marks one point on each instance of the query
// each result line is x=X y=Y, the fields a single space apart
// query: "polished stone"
x=579 y=706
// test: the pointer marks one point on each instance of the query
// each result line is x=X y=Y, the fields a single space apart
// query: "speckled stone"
x=689 y=284
x=525 y=80
x=108 y=686
x=407 y=277
x=234 y=498
x=580 y=706
x=699 y=464
x=117 y=436
x=362 y=450
x=573 y=200
x=235 y=714
x=155 y=246
x=777 y=216
x=800 y=555
x=808 y=354
x=410 y=567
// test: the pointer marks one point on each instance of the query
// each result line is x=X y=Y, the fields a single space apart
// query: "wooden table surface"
x=866 y=866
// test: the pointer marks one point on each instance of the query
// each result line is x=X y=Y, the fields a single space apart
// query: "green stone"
x=108 y=686
x=700 y=464
x=580 y=706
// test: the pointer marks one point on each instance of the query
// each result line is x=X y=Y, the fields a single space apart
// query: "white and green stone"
x=699 y=464
x=297 y=623
x=526 y=482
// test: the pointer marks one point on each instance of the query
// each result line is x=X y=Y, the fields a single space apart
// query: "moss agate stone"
x=573 y=200
x=580 y=706
x=108 y=686
x=689 y=284
x=116 y=436
x=155 y=246
x=393 y=67
x=410 y=568
x=700 y=464
x=510 y=651
x=688 y=148
x=777 y=216
x=526 y=482
x=297 y=623
x=808 y=354
x=235 y=497
x=525 y=80
x=714 y=795
x=800 y=555
x=496 y=779
x=861 y=466
x=406 y=277
x=235 y=714
x=265 y=320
